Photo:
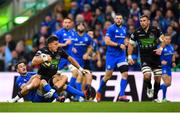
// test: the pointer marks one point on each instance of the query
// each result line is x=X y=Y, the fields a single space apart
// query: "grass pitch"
x=91 y=107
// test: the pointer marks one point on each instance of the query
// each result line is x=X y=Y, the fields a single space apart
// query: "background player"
x=81 y=50
x=167 y=61
x=148 y=37
x=115 y=56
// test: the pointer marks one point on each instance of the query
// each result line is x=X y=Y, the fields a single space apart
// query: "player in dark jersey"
x=48 y=58
x=147 y=38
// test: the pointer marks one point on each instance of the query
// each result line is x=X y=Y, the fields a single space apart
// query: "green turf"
x=91 y=107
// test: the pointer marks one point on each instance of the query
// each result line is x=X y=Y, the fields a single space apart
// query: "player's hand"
x=49 y=94
x=126 y=41
x=158 y=51
x=99 y=63
x=163 y=62
x=86 y=57
x=74 y=50
x=174 y=64
x=123 y=47
x=130 y=60
x=68 y=42
x=84 y=71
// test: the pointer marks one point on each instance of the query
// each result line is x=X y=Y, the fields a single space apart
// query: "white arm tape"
x=132 y=42
x=129 y=56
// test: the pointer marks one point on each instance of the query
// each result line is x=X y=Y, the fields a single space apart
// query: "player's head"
x=167 y=39
x=21 y=68
x=52 y=43
x=118 y=19
x=144 y=21
x=67 y=23
x=81 y=27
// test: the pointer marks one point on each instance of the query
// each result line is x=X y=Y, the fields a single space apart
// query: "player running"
x=115 y=56
x=167 y=61
x=65 y=36
x=81 y=50
x=147 y=38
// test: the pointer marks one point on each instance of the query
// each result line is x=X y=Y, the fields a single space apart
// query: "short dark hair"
x=19 y=62
x=142 y=16
x=83 y=23
x=68 y=18
x=51 y=39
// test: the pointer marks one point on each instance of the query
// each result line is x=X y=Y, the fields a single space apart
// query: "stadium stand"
x=98 y=14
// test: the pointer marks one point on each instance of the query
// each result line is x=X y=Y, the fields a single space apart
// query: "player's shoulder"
x=43 y=50
x=31 y=73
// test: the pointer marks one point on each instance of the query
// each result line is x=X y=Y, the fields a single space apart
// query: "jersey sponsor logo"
x=119 y=36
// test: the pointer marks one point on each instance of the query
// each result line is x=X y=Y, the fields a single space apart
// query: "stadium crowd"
x=98 y=15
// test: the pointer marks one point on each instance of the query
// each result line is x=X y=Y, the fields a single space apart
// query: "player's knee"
x=89 y=76
x=168 y=83
x=125 y=75
x=43 y=82
x=65 y=78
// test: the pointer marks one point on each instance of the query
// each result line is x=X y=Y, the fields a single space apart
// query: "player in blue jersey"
x=167 y=61
x=65 y=37
x=115 y=40
x=81 y=50
x=31 y=88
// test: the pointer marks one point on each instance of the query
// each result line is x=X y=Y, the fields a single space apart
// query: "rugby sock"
x=156 y=89
x=164 y=89
x=74 y=91
x=48 y=88
x=72 y=81
x=123 y=87
x=102 y=84
x=78 y=86
x=147 y=83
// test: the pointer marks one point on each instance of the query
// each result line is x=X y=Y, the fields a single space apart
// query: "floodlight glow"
x=21 y=19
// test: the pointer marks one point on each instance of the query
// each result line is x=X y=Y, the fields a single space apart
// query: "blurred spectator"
x=121 y=7
x=79 y=18
x=87 y=14
x=74 y=8
x=2 y=65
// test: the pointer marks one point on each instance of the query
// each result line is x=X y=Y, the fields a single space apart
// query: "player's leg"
x=157 y=81
x=110 y=65
x=74 y=75
x=33 y=83
x=59 y=81
x=166 y=77
x=146 y=70
x=86 y=81
x=124 y=72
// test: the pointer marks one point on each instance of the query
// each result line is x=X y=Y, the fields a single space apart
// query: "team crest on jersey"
x=116 y=31
x=151 y=35
x=65 y=34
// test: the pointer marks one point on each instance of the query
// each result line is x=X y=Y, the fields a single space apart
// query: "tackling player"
x=27 y=81
x=115 y=56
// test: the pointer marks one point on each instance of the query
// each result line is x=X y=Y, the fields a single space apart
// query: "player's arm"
x=131 y=45
x=68 y=42
x=40 y=57
x=89 y=51
x=162 y=42
x=174 y=60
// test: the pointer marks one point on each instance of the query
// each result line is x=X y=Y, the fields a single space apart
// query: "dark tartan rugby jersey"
x=147 y=41
x=47 y=70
